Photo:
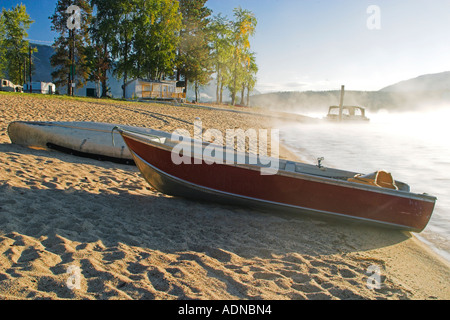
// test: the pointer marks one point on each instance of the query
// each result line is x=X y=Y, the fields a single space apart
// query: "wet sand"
x=129 y=241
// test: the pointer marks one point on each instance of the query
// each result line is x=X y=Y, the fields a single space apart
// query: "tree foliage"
x=14 y=49
x=102 y=35
x=2 y=48
x=139 y=37
x=71 y=45
x=243 y=28
x=234 y=64
x=152 y=39
x=222 y=52
x=194 y=62
x=156 y=39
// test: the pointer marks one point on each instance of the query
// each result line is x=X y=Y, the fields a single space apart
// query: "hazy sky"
x=320 y=45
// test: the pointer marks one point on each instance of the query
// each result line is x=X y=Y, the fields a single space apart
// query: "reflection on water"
x=414 y=147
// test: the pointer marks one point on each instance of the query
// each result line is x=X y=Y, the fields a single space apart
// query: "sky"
x=303 y=45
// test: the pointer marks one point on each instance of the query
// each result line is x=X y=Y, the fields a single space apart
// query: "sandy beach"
x=60 y=213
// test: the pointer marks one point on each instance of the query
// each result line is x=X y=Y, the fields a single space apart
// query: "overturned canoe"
x=294 y=187
x=88 y=139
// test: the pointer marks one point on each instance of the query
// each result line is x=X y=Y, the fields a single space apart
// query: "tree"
x=14 y=49
x=102 y=36
x=98 y=63
x=194 y=50
x=156 y=38
x=222 y=51
x=244 y=26
x=2 y=49
x=249 y=78
x=71 y=45
x=122 y=45
x=138 y=38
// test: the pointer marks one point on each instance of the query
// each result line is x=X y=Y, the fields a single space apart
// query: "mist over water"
x=413 y=146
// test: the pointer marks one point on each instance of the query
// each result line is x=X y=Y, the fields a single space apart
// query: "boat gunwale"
x=296 y=174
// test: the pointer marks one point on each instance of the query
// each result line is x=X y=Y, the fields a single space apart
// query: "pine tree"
x=14 y=49
x=70 y=46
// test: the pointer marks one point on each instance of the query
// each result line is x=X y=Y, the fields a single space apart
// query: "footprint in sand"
x=158 y=280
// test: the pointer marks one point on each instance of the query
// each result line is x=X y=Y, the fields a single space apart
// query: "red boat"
x=297 y=187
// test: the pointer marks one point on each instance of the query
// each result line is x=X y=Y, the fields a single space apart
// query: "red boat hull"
x=300 y=192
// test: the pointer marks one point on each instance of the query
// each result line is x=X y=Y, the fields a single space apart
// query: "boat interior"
x=381 y=179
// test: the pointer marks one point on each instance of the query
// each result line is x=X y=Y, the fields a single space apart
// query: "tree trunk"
x=69 y=82
x=124 y=86
x=221 y=92
x=125 y=72
x=242 y=94
x=105 y=71
x=186 y=86
x=248 y=96
x=69 y=86
x=233 y=94
x=104 y=86
x=196 y=91
x=217 y=86
x=73 y=64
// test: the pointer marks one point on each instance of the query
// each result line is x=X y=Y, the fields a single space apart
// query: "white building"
x=40 y=87
x=6 y=85
x=148 y=89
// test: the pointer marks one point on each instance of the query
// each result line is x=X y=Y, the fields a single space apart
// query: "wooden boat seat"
x=380 y=179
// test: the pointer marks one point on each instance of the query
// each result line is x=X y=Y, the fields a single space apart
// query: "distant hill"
x=427 y=83
x=320 y=101
x=41 y=59
x=425 y=90
x=43 y=71
x=208 y=93
x=431 y=90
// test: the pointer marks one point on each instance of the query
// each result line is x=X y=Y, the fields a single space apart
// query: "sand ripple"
x=129 y=241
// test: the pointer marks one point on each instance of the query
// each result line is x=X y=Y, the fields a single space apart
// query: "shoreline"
x=132 y=242
x=432 y=248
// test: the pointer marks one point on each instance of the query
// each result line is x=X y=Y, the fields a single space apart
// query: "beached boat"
x=296 y=187
x=85 y=139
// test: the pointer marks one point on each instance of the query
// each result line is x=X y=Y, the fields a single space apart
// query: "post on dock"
x=341 y=103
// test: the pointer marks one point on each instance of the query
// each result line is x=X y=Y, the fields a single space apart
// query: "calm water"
x=414 y=147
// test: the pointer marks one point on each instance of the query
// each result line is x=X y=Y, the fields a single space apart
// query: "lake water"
x=414 y=147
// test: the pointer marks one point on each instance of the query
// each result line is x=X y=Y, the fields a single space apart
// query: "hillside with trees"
x=122 y=40
x=426 y=91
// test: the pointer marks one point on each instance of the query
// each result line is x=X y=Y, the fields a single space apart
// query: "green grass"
x=112 y=100
x=62 y=97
